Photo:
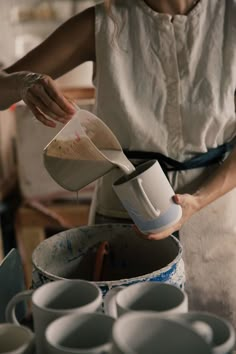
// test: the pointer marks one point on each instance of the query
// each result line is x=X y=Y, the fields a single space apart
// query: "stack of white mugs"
x=72 y=316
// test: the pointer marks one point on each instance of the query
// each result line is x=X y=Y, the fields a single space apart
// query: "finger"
x=49 y=103
x=40 y=116
x=164 y=234
x=181 y=199
x=177 y=198
x=72 y=102
x=139 y=233
x=36 y=101
x=148 y=236
x=157 y=236
x=57 y=96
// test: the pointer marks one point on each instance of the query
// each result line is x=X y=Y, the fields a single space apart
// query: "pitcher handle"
x=110 y=301
x=144 y=200
x=10 y=312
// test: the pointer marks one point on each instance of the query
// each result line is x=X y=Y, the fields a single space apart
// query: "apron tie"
x=212 y=156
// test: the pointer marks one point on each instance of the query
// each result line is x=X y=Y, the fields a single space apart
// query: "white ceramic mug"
x=147 y=196
x=223 y=334
x=54 y=300
x=15 y=339
x=161 y=298
x=80 y=334
x=147 y=333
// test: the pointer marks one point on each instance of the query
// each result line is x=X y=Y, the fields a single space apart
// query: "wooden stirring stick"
x=103 y=250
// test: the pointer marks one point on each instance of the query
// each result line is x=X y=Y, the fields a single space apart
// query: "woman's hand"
x=220 y=182
x=44 y=99
x=189 y=204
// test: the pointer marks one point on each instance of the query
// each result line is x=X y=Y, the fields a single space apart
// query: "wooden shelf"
x=79 y=92
x=74 y=214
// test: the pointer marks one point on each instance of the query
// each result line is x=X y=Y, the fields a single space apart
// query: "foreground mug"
x=54 y=300
x=80 y=334
x=161 y=298
x=147 y=196
x=223 y=334
x=147 y=333
x=15 y=339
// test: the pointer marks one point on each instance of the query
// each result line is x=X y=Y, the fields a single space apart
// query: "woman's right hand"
x=44 y=99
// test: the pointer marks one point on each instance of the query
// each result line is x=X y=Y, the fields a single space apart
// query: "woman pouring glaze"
x=165 y=84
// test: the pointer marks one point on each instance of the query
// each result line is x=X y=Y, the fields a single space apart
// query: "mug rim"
x=143 y=167
x=37 y=292
x=16 y=326
x=119 y=300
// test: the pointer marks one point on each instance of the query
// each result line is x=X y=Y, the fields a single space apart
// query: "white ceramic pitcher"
x=84 y=150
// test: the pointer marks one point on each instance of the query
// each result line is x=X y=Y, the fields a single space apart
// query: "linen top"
x=165 y=84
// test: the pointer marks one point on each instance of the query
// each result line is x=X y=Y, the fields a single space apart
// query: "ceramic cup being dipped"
x=148 y=197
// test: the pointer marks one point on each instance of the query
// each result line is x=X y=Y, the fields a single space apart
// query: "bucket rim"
x=110 y=283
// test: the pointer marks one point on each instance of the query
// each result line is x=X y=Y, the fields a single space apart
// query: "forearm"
x=218 y=184
x=72 y=44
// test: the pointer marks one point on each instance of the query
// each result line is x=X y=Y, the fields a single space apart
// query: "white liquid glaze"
x=119 y=159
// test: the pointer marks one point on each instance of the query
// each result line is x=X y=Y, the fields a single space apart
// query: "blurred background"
x=32 y=205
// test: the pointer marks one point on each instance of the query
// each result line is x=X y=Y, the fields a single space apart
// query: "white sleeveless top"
x=165 y=84
x=168 y=86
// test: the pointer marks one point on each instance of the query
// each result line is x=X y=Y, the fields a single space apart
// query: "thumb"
x=178 y=199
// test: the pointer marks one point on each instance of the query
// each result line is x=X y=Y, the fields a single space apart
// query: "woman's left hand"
x=189 y=206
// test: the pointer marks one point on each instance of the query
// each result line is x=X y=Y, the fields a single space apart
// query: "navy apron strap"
x=212 y=156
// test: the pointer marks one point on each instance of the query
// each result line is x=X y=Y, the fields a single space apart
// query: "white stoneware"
x=15 y=339
x=163 y=299
x=84 y=150
x=147 y=333
x=223 y=338
x=54 y=300
x=148 y=197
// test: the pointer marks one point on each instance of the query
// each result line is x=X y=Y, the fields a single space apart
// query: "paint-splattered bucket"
x=130 y=259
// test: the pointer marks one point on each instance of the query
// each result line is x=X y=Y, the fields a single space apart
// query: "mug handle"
x=10 y=312
x=204 y=330
x=110 y=301
x=144 y=200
